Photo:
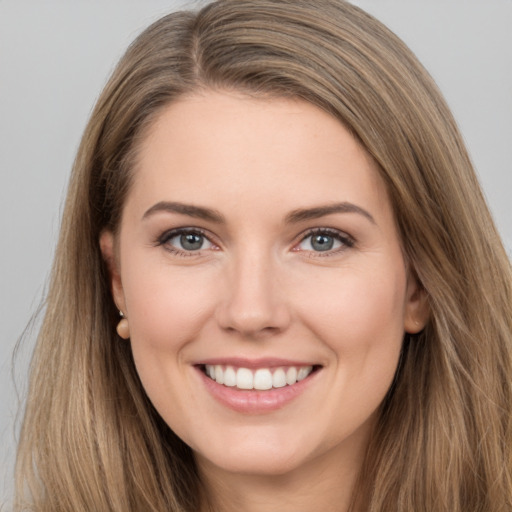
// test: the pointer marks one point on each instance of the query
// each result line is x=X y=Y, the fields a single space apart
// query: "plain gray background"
x=55 y=57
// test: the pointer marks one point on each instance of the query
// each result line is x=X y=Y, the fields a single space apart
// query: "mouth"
x=258 y=379
x=257 y=386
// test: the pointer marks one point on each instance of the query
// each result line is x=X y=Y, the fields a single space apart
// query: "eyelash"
x=346 y=241
x=164 y=238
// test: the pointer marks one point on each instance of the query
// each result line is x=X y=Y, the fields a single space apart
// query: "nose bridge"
x=252 y=301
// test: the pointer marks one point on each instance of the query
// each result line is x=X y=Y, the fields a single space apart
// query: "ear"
x=108 y=250
x=417 y=310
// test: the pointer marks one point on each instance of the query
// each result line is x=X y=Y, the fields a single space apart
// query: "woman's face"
x=258 y=247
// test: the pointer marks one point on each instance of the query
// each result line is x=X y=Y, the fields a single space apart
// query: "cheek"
x=167 y=307
x=360 y=318
x=361 y=322
x=167 y=310
x=358 y=307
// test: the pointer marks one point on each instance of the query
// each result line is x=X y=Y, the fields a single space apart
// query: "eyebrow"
x=197 y=212
x=293 y=217
x=316 y=212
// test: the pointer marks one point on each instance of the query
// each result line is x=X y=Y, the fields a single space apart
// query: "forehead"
x=217 y=147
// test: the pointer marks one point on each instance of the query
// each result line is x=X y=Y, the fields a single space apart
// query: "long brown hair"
x=91 y=439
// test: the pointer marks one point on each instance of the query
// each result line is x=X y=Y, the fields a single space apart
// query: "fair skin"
x=258 y=235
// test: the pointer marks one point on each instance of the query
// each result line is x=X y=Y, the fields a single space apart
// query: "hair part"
x=91 y=439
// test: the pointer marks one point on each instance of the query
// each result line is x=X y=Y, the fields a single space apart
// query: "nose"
x=253 y=302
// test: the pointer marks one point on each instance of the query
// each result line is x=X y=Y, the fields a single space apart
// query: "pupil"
x=191 y=242
x=322 y=242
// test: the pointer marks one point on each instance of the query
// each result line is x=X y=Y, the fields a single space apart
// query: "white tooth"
x=262 y=379
x=229 y=376
x=279 y=378
x=210 y=371
x=304 y=372
x=219 y=374
x=291 y=375
x=244 y=379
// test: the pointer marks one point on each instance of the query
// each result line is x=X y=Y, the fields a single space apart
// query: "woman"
x=315 y=304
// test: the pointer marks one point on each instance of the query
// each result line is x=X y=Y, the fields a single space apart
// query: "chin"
x=254 y=464
x=274 y=455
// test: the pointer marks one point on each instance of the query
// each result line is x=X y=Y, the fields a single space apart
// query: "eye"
x=324 y=240
x=185 y=241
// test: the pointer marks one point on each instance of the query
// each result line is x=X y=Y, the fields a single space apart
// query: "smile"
x=257 y=386
x=260 y=379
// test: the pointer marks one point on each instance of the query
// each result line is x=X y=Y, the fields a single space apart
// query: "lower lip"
x=255 y=401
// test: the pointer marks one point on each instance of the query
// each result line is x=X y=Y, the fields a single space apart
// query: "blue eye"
x=324 y=241
x=185 y=240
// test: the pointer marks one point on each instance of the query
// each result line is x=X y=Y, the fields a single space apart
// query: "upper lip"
x=266 y=362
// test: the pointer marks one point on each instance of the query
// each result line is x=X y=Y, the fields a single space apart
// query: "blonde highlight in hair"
x=91 y=439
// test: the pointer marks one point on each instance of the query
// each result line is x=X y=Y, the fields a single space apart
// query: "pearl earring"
x=123 y=329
